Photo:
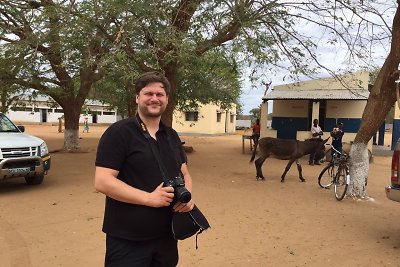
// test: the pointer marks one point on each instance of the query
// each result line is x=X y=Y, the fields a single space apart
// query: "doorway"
x=43 y=115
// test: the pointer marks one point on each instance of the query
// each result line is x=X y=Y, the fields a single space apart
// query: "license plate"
x=19 y=170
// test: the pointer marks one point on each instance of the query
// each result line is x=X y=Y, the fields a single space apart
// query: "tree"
x=381 y=99
x=255 y=113
x=246 y=33
x=64 y=48
x=54 y=50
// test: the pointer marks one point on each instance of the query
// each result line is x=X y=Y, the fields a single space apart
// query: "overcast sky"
x=332 y=57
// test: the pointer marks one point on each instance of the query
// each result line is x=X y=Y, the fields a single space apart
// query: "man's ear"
x=137 y=99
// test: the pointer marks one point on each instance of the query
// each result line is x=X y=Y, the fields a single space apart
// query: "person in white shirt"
x=316 y=132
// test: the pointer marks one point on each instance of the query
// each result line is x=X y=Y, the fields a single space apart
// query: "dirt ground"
x=254 y=223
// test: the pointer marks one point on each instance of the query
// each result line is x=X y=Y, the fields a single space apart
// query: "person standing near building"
x=85 y=125
x=316 y=132
x=60 y=124
x=337 y=135
x=138 y=210
x=256 y=131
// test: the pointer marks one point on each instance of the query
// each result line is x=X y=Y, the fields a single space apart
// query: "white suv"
x=22 y=155
x=393 y=191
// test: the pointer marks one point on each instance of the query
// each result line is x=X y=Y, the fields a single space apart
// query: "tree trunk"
x=359 y=170
x=167 y=116
x=381 y=99
x=71 y=132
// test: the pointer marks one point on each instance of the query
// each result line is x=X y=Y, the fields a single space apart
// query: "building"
x=207 y=119
x=329 y=100
x=44 y=109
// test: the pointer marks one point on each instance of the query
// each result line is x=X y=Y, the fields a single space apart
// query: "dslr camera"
x=181 y=194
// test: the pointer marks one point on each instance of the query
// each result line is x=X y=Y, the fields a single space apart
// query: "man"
x=86 y=125
x=138 y=210
x=337 y=135
x=256 y=131
x=316 y=132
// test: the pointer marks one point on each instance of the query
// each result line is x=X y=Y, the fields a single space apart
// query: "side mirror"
x=21 y=128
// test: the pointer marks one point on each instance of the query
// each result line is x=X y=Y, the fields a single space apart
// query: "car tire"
x=34 y=180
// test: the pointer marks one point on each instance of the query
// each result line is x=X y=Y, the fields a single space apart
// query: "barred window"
x=191 y=116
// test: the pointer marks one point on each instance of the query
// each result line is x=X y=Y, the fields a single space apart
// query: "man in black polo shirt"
x=138 y=210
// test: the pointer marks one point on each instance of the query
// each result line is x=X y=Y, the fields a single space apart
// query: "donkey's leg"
x=287 y=169
x=300 y=170
x=259 y=162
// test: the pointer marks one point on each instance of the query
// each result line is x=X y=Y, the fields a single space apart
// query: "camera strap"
x=153 y=147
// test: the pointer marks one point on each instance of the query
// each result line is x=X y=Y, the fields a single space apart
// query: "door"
x=94 y=118
x=43 y=115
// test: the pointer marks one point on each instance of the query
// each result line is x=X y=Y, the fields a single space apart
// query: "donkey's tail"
x=254 y=151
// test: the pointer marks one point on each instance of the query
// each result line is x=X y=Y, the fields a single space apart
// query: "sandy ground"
x=254 y=223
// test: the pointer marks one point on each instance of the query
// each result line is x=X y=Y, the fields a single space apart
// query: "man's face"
x=152 y=100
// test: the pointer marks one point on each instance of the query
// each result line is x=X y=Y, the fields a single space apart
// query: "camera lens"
x=185 y=197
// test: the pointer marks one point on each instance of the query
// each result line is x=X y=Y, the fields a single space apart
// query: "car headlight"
x=43 y=149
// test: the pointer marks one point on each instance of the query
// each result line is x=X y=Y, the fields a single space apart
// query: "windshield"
x=6 y=125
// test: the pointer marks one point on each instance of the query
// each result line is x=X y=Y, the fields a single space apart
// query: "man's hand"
x=183 y=207
x=161 y=197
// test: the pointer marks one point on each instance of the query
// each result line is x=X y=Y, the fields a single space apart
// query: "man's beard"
x=145 y=111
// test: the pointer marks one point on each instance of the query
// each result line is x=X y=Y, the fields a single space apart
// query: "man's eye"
x=160 y=95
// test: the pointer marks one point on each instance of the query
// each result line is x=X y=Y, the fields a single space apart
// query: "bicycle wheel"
x=325 y=178
x=340 y=182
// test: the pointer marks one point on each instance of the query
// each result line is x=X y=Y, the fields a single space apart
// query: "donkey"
x=291 y=150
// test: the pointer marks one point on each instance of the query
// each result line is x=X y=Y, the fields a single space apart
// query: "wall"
x=53 y=114
x=207 y=121
x=290 y=108
x=345 y=108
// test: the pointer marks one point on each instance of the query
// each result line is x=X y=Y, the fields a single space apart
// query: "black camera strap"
x=153 y=147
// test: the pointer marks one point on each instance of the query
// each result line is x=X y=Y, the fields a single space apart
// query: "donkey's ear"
x=326 y=140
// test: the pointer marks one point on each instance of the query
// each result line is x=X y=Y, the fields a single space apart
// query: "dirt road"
x=254 y=223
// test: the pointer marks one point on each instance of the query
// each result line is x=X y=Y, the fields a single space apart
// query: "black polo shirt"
x=124 y=148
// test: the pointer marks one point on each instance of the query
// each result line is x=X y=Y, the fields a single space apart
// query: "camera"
x=181 y=194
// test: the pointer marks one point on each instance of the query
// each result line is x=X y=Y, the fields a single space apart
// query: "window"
x=191 y=116
x=218 y=116
x=21 y=109
x=232 y=118
x=58 y=111
x=108 y=113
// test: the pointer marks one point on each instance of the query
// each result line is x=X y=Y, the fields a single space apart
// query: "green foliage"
x=63 y=48
x=255 y=113
x=212 y=78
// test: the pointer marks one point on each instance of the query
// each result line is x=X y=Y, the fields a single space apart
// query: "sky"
x=332 y=57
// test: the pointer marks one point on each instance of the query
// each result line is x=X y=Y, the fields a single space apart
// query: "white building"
x=45 y=109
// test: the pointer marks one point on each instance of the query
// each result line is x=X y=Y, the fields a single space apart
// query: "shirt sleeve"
x=111 y=149
x=178 y=147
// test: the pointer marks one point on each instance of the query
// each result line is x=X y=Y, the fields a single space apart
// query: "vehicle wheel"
x=34 y=180
x=325 y=178
x=341 y=183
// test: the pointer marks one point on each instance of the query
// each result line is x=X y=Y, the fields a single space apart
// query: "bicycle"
x=337 y=173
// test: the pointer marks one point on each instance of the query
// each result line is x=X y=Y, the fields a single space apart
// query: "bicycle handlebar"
x=337 y=151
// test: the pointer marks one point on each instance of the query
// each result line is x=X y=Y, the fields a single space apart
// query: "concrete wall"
x=345 y=108
x=52 y=117
x=290 y=108
x=207 y=121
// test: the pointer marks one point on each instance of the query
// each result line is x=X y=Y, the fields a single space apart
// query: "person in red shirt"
x=256 y=131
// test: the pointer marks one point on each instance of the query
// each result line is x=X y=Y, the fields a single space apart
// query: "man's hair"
x=152 y=77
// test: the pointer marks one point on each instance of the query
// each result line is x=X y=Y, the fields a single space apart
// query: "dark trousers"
x=312 y=158
x=339 y=147
x=255 y=137
x=150 y=253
